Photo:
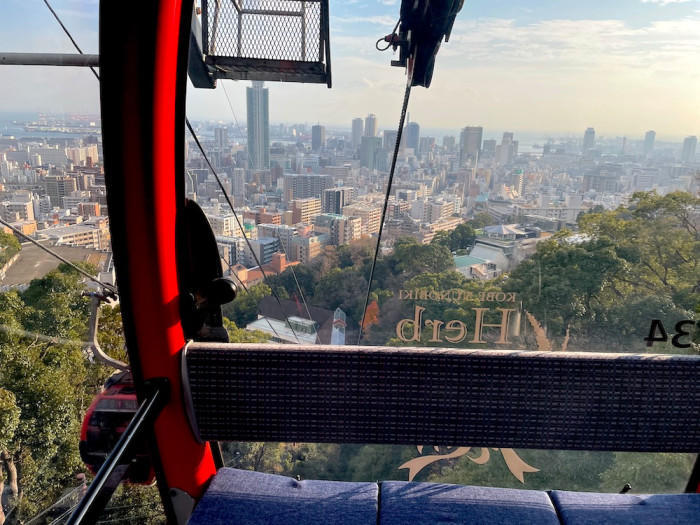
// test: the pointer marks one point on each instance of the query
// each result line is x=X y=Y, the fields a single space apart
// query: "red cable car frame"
x=143 y=75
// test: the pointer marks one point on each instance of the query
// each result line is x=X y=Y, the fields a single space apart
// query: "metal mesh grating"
x=264 y=29
x=449 y=397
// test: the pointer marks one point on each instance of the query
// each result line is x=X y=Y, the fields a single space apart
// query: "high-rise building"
x=507 y=150
x=412 y=136
x=371 y=125
x=470 y=142
x=489 y=148
x=221 y=137
x=369 y=150
x=369 y=214
x=340 y=229
x=305 y=249
x=390 y=139
x=690 y=145
x=304 y=210
x=303 y=186
x=12 y=211
x=258 y=126
x=649 y=139
x=426 y=145
x=589 y=139
x=357 y=131
x=238 y=181
x=58 y=186
x=283 y=233
x=318 y=137
x=334 y=199
x=264 y=248
x=89 y=209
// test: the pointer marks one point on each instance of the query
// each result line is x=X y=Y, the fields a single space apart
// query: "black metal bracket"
x=113 y=469
x=198 y=71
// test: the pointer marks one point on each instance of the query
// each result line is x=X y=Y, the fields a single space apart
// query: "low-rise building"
x=475 y=268
x=86 y=235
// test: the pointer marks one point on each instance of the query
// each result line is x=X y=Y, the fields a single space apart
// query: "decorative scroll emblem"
x=514 y=463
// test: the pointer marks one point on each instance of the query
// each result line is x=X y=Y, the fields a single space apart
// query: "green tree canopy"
x=244 y=308
x=9 y=247
x=461 y=238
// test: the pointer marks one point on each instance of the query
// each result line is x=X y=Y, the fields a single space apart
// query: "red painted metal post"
x=143 y=68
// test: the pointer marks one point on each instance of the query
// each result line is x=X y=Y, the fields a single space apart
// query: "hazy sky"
x=622 y=66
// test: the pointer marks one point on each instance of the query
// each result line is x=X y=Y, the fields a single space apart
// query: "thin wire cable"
x=11 y=330
x=59 y=500
x=97 y=76
x=106 y=286
x=389 y=184
x=122 y=507
x=64 y=515
x=240 y=225
x=65 y=30
x=240 y=129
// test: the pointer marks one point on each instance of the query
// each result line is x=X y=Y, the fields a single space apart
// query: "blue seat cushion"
x=404 y=503
x=252 y=498
x=589 y=508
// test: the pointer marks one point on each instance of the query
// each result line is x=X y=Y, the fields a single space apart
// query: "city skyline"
x=239 y=129
x=621 y=69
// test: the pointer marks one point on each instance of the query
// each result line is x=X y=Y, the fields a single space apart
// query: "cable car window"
x=546 y=198
x=52 y=190
x=545 y=216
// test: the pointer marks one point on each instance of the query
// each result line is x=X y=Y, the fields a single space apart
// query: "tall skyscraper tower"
x=390 y=139
x=690 y=145
x=508 y=149
x=371 y=125
x=221 y=137
x=369 y=148
x=649 y=139
x=318 y=137
x=258 y=126
x=357 y=130
x=470 y=142
x=589 y=139
x=412 y=134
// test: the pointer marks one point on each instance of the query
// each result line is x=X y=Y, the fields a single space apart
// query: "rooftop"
x=281 y=331
x=464 y=261
x=34 y=263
